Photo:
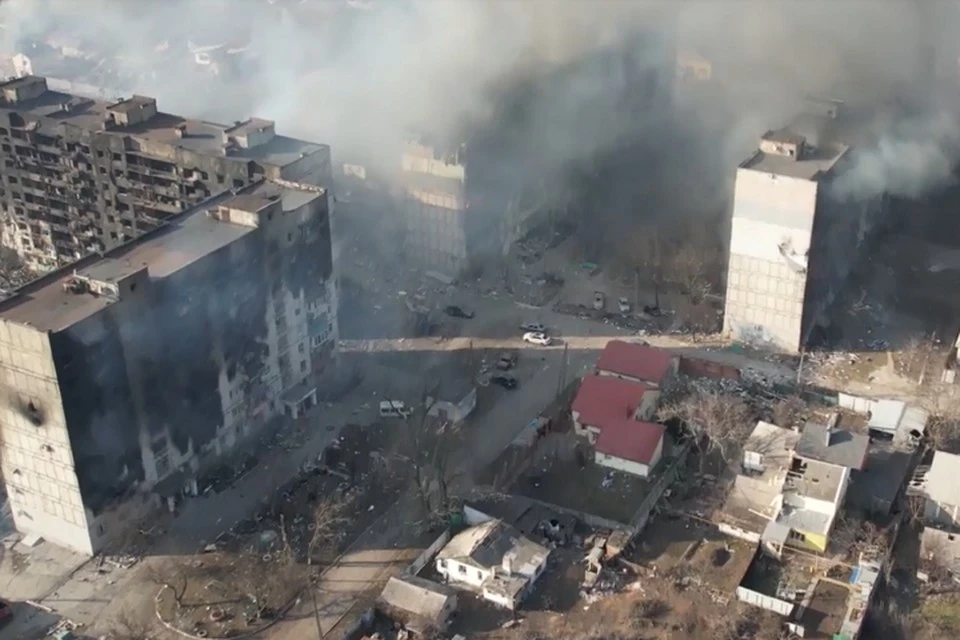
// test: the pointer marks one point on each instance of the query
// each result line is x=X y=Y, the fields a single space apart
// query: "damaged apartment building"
x=126 y=375
x=452 y=222
x=794 y=234
x=80 y=176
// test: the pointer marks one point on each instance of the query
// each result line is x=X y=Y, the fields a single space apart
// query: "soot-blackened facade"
x=125 y=375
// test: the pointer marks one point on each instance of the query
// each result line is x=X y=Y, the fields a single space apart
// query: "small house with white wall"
x=941 y=492
x=630 y=446
x=420 y=603
x=637 y=363
x=792 y=485
x=495 y=560
x=604 y=400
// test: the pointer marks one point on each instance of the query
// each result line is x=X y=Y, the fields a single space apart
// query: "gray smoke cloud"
x=359 y=77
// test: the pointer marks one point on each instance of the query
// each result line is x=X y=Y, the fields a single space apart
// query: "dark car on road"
x=504 y=380
x=455 y=311
x=535 y=327
x=506 y=361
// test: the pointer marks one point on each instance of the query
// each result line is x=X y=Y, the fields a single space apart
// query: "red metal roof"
x=603 y=400
x=636 y=361
x=630 y=440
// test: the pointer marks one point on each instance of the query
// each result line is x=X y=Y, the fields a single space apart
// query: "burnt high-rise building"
x=80 y=175
x=127 y=374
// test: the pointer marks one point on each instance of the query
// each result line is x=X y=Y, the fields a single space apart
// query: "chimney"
x=508 y=563
x=181 y=130
x=830 y=427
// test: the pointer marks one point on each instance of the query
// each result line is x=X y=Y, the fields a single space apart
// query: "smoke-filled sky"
x=359 y=77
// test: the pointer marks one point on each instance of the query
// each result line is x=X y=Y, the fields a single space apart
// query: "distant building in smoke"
x=82 y=175
x=793 y=240
x=454 y=220
x=126 y=375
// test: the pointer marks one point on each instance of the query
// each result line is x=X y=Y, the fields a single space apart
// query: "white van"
x=393 y=409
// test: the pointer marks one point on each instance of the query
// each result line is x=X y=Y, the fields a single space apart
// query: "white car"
x=624 y=305
x=534 y=337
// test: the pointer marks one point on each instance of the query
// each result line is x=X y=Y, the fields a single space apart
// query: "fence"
x=764 y=601
x=421 y=561
x=697 y=368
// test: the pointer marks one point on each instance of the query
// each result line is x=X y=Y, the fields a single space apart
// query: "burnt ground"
x=258 y=567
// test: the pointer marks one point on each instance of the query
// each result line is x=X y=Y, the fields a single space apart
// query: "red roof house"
x=604 y=400
x=631 y=446
x=637 y=362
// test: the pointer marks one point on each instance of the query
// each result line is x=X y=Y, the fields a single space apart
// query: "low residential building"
x=940 y=550
x=453 y=400
x=422 y=604
x=126 y=374
x=631 y=446
x=941 y=491
x=792 y=485
x=637 y=363
x=604 y=400
x=495 y=560
x=756 y=496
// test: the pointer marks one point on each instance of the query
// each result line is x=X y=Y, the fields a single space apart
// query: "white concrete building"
x=795 y=233
x=127 y=374
x=494 y=559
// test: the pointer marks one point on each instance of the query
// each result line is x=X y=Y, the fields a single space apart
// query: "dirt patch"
x=252 y=572
x=565 y=476
x=223 y=595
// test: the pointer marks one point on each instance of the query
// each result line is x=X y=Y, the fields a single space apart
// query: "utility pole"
x=636 y=289
x=562 y=380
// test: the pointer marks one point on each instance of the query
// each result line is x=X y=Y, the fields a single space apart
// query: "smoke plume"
x=358 y=75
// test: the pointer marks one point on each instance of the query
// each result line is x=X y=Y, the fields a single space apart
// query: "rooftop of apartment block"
x=46 y=111
x=806 y=149
x=56 y=301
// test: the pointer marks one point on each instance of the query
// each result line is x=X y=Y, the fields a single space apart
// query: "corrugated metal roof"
x=649 y=364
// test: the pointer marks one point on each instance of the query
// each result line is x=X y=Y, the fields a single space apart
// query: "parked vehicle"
x=624 y=305
x=534 y=337
x=6 y=612
x=535 y=327
x=393 y=409
x=599 y=300
x=507 y=361
x=455 y=311
x=504 y=380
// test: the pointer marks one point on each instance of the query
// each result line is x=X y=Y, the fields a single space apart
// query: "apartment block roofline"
x=236 y=198
x=138 y=116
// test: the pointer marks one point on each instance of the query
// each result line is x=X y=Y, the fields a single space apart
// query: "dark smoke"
x=359 y=78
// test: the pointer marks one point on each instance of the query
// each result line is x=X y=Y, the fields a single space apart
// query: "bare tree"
x=327 y=520
x=720 y=423
x=689 y=267
x=430 y=441
x=643 y=252
x=787 y=412
x=173 y=579
x=126 y=626
x=942 y=402
x=853 y=535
